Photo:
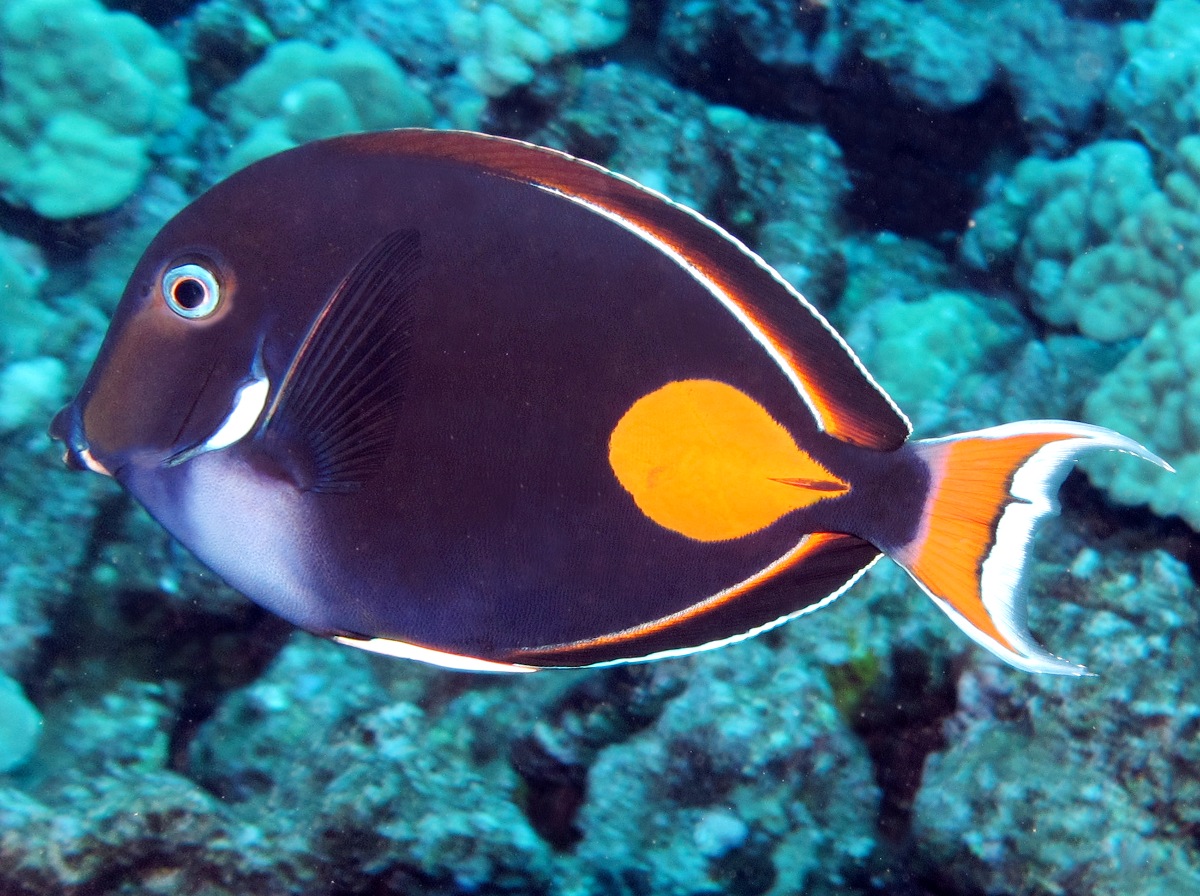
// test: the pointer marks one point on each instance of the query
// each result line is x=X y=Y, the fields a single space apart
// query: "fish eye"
x=191 y=291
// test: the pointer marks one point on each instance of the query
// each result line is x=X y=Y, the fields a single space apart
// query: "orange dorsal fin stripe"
x=706 y=460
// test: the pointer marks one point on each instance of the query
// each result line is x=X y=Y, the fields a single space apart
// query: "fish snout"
x=67 y=427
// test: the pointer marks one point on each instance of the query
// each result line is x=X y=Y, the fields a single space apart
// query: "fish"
x=476 y=402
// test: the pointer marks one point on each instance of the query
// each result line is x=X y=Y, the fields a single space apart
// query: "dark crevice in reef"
x=900 y=721
x=1112 y=11
x=895 y=872
x=645 y=17
x=553 y=794
x=898 y=875
x=900 y=718
x=1136 y=529
x=156 y=12
x=749 y=870
x=915 y=170
x=406 y=880
x=523 y=111
x=918 y=172
x=553 y=760
x=63 y=243
x=225 y=658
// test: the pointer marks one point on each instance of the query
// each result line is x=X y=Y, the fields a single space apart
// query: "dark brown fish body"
x=484 y=370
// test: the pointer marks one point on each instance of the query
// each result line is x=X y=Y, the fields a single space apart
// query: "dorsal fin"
x=845 y=400
x=336 y=409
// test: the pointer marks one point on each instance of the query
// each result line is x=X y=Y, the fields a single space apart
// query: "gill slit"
x=187 y=418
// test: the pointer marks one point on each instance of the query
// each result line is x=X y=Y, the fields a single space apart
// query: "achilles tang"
x=463 y=399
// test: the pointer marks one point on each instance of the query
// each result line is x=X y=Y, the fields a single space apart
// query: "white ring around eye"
x=191 y=291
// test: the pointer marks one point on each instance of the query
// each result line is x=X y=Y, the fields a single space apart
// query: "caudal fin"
x=989 y=489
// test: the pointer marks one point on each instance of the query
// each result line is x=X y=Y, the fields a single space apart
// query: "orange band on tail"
x=988 y=491
x=973 y=480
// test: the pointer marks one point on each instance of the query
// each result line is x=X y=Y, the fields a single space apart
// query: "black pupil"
x=189 y=293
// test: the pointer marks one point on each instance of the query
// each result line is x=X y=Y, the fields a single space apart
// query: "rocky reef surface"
x=997 y=205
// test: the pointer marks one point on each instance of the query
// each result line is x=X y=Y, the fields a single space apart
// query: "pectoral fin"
x=335 y=413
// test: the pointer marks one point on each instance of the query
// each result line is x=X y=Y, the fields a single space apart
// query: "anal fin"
x=817 y=570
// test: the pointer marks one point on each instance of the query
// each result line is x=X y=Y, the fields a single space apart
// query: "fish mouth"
x=67 y=427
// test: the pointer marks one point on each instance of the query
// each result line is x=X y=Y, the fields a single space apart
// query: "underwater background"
x=997 y=203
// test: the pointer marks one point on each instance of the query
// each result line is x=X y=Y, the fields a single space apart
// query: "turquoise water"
x=996 y=204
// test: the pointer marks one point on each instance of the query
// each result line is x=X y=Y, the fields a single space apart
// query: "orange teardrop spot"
x=706 y=460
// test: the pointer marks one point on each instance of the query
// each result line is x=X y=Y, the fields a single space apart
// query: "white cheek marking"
x=248 y=405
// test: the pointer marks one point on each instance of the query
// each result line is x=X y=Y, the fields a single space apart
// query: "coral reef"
x=302 y=92
x=1098 y=244
x=948 y=54
x=22 y=271
x=1054 y=65
x=369 y=791
x=22 y=724
x=1105 y=765
x=739 y=784
x=29 y=389
x=44 y=520
x=1154 y=394
x=1154 y=95
x=926 y=351
x=158 y=734
x=504 y=41
x=754 y=795
x=83 y=92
